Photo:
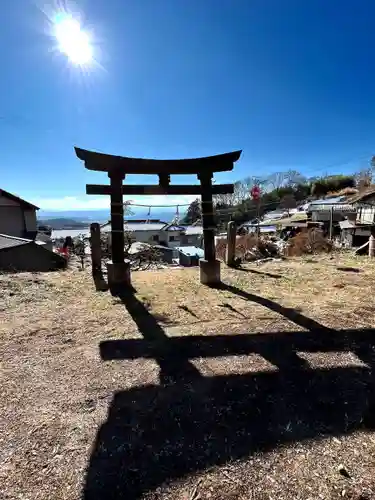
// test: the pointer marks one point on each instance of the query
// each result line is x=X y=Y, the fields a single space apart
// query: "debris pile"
x=250 y=247
x=308 y=242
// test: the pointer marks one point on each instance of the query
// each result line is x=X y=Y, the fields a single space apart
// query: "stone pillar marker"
x=231 y=244
x=371 y=246
x=209 y=267
x=96 y=253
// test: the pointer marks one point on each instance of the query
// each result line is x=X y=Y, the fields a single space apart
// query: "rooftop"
x=7 y=241
x=191 y=251
x=328 y=201
x=129 y=225
x=136 y=226
x=191 y=230
x=363 y=196
x=19 y=200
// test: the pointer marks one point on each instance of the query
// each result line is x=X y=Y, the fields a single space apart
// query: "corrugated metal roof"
x=347 y=224
x=191 y=251
x=128 y=226
x=275 y=214
x=7 y=241
x=328 y=201
x=364 y=196
x=338 y=207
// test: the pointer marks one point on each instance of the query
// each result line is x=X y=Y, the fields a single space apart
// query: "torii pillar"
x=118 y=268
x=209 y=267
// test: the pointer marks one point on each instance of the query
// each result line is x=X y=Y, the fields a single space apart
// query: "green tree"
x=331 y=184
x=194 y=213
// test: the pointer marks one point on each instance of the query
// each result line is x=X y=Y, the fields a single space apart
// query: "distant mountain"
x=75 y=215
x=62 y=223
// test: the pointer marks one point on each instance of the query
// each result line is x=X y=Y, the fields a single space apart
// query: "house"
x=364 y=204
x=21 y=254
x=156 y=232
x=193 y=235
x=17 y=216
x=330 y=211
x=327 y=209
x=357 y=229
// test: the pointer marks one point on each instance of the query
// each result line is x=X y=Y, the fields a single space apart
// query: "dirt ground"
x=262 y=389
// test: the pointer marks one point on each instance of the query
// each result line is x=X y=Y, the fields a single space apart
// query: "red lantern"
x=255 y=192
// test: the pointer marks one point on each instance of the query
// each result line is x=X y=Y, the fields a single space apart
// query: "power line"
x=175 y=205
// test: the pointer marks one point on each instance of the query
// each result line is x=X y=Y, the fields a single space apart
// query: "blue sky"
x=289 y=82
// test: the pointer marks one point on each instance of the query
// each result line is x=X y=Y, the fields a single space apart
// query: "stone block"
x=118 y=275
x=209 y=272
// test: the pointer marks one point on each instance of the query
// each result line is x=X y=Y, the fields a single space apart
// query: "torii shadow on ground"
x=189 y=422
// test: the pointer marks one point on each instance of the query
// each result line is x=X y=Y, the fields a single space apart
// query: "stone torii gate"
x=118 y=167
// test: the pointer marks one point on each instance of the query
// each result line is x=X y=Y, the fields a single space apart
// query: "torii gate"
x=118 y=167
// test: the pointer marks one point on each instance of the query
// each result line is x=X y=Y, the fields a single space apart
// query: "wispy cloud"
x=102 y=202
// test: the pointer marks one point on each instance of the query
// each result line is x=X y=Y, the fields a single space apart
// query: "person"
x=68 y=243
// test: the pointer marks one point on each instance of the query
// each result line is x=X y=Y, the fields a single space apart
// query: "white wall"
x=147 y=236
x=164 y=236
x=366 y=215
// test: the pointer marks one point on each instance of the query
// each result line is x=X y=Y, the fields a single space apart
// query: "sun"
x=72 y=41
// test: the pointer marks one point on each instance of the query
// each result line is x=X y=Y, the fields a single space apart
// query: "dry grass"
x=273 y=420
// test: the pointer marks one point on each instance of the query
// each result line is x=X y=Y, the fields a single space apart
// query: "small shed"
x=354 y=234
x=189 y=256
x=19 y=254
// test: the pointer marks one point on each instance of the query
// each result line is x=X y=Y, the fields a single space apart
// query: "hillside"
x=63 y=223
x=262 y=389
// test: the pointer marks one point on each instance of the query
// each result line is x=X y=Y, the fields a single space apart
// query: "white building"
x=157 y=232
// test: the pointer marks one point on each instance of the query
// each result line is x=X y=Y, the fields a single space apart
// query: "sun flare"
x=72 y=41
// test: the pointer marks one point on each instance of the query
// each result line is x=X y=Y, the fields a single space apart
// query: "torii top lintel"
x=109 y=163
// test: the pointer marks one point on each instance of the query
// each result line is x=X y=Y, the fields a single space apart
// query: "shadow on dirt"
x=156 y=433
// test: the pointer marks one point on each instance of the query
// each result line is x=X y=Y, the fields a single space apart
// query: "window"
x=172 y=238
x=155 y=237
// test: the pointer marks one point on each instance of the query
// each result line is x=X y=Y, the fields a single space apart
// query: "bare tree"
x=363 y=178
x=240 y=193
x=287 y=202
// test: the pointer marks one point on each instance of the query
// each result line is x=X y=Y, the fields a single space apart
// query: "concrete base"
x=118 y=275
x=209 y=272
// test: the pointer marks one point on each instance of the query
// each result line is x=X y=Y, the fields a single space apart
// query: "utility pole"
x=331 y=223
